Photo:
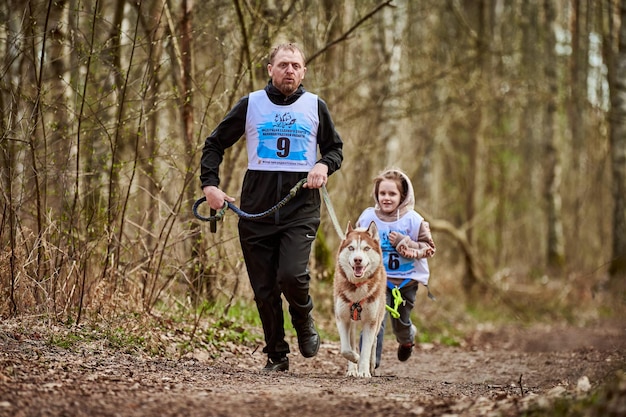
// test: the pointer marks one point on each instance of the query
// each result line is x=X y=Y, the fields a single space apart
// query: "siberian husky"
x=360 y=285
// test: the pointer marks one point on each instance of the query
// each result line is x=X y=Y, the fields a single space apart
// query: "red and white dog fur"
x=360 y=297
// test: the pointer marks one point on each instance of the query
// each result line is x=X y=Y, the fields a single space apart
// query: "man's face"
x=287 y=71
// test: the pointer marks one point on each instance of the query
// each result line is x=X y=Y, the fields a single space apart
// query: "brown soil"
x=497 y=372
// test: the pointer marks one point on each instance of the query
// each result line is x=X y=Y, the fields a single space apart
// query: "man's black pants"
x=277 y=261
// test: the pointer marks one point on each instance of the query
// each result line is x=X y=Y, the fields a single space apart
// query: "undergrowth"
x=606 y=401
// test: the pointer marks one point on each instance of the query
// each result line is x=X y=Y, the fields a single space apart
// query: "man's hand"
x=215 y=197
x=317 y=177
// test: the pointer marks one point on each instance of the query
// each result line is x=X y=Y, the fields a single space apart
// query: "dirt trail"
x=503 y=371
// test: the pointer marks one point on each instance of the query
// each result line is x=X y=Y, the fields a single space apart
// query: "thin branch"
x=345 y=36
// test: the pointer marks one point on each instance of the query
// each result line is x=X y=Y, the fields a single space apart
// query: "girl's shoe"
x=404 y=351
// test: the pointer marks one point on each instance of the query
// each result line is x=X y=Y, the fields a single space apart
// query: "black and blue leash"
x=217 y=215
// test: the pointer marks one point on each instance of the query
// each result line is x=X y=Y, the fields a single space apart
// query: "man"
x=284 y=126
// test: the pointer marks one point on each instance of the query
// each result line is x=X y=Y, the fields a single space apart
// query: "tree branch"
x=345 y=36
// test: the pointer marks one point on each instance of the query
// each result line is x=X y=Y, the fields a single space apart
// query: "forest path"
x=502 y=370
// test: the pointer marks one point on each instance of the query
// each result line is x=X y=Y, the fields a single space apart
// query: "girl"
x=406 y=242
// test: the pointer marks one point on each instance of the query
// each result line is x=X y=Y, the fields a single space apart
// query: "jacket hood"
x=405 y=205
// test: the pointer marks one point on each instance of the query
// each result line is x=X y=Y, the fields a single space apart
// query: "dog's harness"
x=397 y=297
x=355 y=310
x=356 y=307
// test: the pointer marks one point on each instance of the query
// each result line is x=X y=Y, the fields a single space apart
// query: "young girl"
x=406 y=242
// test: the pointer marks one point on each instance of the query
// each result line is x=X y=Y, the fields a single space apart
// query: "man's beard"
x=287 y=88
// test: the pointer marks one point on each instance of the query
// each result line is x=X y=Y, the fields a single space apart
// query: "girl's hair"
x=288 y=46
x=395 y=176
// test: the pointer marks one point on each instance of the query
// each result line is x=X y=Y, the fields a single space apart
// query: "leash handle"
x=397 y=300
x=212 y=213
x=214 y=216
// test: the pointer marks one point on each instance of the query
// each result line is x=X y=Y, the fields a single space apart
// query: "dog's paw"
x=350 y=355
x=364 y=374
x=352 y=369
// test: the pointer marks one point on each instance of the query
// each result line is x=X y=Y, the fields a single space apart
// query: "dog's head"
x=360 y=254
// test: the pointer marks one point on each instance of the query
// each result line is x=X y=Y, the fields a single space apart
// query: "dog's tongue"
x=358 y=271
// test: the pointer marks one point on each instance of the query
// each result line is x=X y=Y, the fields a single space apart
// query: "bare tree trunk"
x=154 y=30
x=113 y=225
x=197 y=271
x=38 y=147
x=576 y=99
x=552 y=162
x=390 y=131
x=54 y=77
x=7 y=172
x=58 y=173
x=480 y=18
x=581 y=17
x=532 y=112
x=617 y=120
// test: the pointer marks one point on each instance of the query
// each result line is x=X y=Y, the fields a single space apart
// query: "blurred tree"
x=551 y=147
x=617 y=115
x=580 y=28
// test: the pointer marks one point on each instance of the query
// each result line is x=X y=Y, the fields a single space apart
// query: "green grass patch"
x=115 y=338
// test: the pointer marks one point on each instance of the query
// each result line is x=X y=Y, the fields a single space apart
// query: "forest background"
x=509 y=117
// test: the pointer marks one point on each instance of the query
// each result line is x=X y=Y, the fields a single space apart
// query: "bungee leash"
x=292 y=193
x=217 y=215
x=228 y=205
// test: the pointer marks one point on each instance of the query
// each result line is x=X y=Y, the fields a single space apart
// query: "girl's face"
x=388 y=196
